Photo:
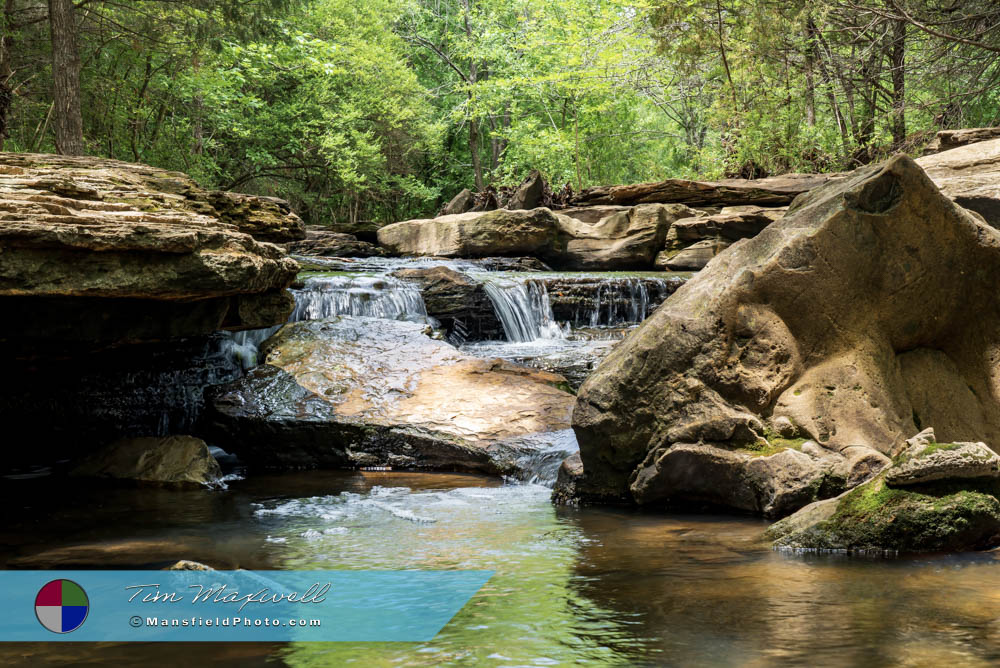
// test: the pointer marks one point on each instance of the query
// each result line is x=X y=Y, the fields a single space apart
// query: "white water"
x=524 y=310
x=372 y=296
x=621 y=301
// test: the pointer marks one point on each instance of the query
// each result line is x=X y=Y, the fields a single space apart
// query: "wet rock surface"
x=831 y=318
x=345 y=392
x=458 y=302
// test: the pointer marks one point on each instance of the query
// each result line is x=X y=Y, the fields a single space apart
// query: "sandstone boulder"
x=619 y=238
x=926 y=461
x=691 y=258
x=970 y=175
x=833 y=318
x=170 y=459
x=346 y=392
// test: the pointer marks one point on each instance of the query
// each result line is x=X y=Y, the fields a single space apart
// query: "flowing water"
x=573 y=586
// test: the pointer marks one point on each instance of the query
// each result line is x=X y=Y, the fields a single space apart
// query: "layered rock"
x=459 y=303
x=321 y=242
x=104 y=253
x=834 y=324
x=692 y=242
x=348 y=392
x=945 y=140
x=775 y=191
x=970 y=175
x=619 y=238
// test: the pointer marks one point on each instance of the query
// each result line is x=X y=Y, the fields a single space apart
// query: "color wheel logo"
x=61 y=606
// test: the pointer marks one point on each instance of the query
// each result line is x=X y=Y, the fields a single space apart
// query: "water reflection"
x=572 y=586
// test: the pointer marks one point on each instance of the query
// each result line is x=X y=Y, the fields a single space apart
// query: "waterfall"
x=244 y=346
x=621 y=301
x=524 y=310
x=374 y=296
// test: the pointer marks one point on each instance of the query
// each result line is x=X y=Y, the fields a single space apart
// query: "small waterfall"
x=620 y=301
x=373 y=296
x=524 y=310
x=243 y=347
x=548 y=450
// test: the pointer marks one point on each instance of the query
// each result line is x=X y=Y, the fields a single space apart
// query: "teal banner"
x=228 y=606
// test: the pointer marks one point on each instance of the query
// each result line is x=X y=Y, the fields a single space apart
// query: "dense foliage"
x=383 y=109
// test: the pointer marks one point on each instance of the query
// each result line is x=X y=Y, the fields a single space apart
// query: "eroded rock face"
x=925 y=460
x=321 y=242
x=608 y=238
x=168 y=459
x=970 y=175
x=832 y=319
x=114 y=253
x=348 y=392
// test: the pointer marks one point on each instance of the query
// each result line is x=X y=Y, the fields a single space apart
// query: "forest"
x=382 y=110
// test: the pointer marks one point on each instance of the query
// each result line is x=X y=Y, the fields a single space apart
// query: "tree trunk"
x=897 y=60
x=67 y=118
x=6 y=70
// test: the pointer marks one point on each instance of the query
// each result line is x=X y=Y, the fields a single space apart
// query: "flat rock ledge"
x=365 y=392
x=102 y=252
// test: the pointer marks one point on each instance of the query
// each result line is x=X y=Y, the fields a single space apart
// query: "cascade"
x=374 y=296
x=523 y=309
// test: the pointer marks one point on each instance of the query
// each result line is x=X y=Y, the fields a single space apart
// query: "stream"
x=573 y=586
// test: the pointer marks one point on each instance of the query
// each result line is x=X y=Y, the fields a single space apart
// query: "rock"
x=187 y=565
x=970 y=175
x=828 y=317
x=945 y=140
x=458 y=302
x=264 y=218
x=169 y=459
x=321 y=242
x=775 y=191
x=928 y=461
x=692 y=258
x=733 y=224
x=346 y=392
x=460 y=203
x=105 y=253
x=623 y=239
x=875 y=517
x=529 y=194
x=512 y=264
x=628 y=239
x=474 y=234
x=589 y=301
x=772 y=484
x=570 y=471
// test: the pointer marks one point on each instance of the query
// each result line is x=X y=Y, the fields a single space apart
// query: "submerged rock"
x=834 y=318
x=168 y=459
x=345 y=392
x=877 y=518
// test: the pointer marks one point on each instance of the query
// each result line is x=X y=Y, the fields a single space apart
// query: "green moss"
x=773 y=445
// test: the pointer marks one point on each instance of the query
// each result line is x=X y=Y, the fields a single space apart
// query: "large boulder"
x=108 y=253
x=774 y=191
x=346 y=392
x=691 y=258
x=925 y=460
x=169 y=460
x=868 y=310
x=970 y=175
x=609 y=238
x=528 y=195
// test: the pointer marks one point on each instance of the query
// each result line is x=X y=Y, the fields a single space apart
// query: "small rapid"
x=524 y=310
